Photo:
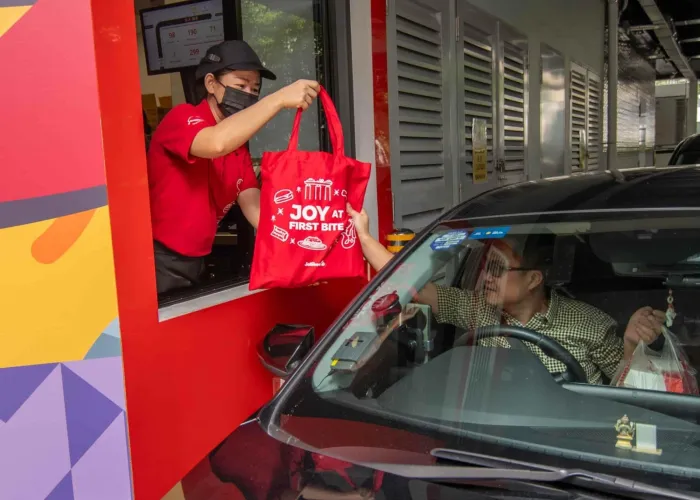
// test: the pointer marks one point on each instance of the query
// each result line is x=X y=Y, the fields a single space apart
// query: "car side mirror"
x=284 y=347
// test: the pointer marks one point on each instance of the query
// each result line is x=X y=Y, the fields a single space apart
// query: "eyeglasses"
x=497 y=268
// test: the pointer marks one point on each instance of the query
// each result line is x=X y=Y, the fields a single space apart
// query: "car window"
x=455 y=341
x=691 y=157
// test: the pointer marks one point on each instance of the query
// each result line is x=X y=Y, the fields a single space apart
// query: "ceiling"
x=656 y=39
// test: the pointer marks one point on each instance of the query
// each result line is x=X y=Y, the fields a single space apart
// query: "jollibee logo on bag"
x=315 y=264
x=307 y=208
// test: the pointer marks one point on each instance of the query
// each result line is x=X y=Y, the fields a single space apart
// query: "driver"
x=512 y=291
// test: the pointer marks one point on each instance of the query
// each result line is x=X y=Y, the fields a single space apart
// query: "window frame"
x=335 y=72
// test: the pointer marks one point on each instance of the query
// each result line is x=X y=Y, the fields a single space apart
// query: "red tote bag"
x=305 y=234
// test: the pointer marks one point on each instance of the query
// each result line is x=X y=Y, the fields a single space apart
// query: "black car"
x=687 y=152
x=392 y=404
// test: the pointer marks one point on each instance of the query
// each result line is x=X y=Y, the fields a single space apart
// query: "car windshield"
x=521 y=336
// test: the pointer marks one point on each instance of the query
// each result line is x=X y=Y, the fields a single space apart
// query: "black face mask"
x=235 y=100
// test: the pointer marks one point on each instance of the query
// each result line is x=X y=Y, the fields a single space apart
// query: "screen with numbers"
x=177 y=36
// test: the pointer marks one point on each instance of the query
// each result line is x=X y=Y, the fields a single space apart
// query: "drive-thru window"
x=295 y=39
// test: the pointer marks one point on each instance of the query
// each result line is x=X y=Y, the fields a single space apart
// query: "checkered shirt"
x=586 y=332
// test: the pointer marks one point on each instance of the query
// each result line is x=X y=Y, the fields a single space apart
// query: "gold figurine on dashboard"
x=625 y=433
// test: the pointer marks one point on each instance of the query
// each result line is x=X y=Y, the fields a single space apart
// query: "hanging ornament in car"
x=670 y=310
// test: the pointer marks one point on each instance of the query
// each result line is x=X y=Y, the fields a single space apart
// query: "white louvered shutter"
x=578 y=89
x=593 y=121
x=514 y=68
x=420 y=193
x=479 y=88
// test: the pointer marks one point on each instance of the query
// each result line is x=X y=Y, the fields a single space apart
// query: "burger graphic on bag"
x=312 y=243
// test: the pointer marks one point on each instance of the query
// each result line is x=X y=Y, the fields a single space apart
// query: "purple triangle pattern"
x=17 y=384
x=104 y=374
x=103 y=472
x=64 y=489
x=34 y=451
x=88 y=413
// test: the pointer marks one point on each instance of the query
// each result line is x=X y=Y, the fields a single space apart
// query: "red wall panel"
x=381 y=119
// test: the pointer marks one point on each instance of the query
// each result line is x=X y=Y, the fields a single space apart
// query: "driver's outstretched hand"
x=360 y=219
x=645 y=325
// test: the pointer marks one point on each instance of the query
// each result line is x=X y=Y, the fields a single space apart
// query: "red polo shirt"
x=190 y=194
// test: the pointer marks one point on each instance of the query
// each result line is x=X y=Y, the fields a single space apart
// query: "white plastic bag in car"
x=667 y=370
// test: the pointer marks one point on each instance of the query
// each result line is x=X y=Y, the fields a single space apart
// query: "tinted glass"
x=689 y=158
x=288 y=37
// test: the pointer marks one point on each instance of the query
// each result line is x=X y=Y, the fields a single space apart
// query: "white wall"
x=673 y=123
x=692 y=113
x=159 y=85
x=672 y=90
x=363 y=99
x=667 y=133
x=575 y=28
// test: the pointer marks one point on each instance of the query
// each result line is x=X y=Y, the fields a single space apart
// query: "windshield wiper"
x=508 y=469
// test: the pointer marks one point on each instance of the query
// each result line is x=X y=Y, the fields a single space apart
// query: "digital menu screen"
x=177 y=36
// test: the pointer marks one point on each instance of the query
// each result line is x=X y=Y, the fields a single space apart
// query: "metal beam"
x=692 y=108
x=690 y=40
x=612 y=86
x=644 y=27
x=689 y=22
x=667 y=38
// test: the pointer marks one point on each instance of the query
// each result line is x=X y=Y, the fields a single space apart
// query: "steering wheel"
x=574 y=371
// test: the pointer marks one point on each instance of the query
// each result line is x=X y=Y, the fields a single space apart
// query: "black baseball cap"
x=231 y=54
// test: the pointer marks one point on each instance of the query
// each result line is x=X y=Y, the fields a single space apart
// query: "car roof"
x=641 y=189
x=690 y=143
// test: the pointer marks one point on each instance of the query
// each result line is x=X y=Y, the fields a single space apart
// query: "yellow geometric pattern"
x=53 y=310
x=10 y=15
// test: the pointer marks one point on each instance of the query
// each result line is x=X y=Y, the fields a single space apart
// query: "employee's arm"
x=249 y=201
x=234 y=131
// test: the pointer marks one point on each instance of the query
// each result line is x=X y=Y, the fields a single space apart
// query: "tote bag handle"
x=334 y=127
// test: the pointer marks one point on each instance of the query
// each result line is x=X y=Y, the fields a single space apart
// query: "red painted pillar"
x=381 y=119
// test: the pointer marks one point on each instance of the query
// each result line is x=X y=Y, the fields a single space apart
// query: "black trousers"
x=175 y=271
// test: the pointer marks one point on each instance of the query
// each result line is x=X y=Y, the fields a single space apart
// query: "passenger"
x=198 y=161
x=513 y=291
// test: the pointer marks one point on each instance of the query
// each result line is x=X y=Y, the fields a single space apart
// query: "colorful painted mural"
x=62 y=407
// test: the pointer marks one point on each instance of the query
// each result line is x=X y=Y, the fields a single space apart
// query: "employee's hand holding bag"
x=298 y=95
x=305 y=233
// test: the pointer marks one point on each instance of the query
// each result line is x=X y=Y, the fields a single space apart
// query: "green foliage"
x=289 y=43
x=285 y=41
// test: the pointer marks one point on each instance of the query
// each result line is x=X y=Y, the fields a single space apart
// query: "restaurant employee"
x=198 y=161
